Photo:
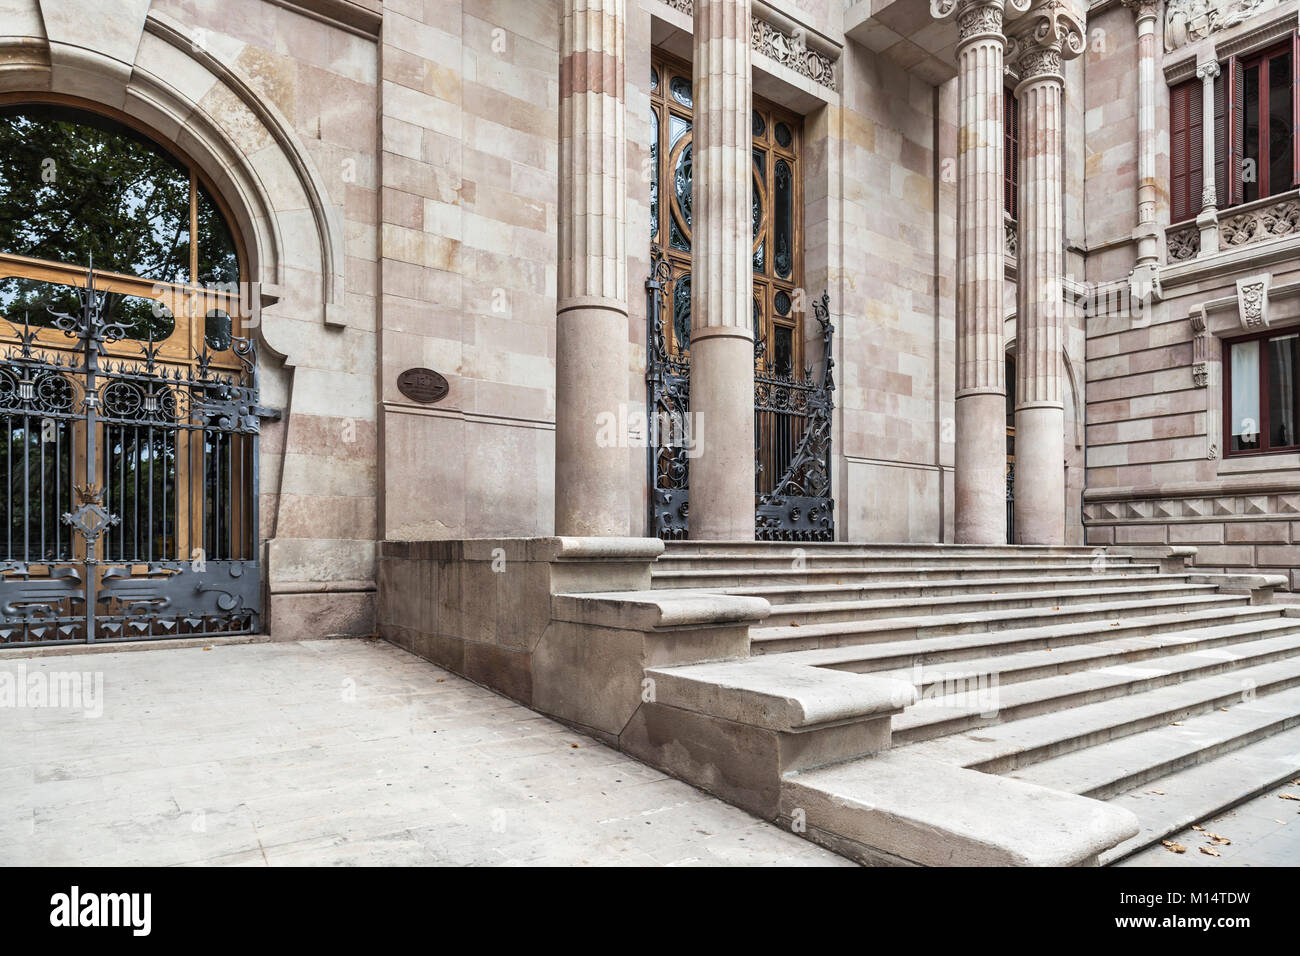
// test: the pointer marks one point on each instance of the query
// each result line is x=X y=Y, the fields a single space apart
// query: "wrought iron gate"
x=792 y=428
x=131 y=481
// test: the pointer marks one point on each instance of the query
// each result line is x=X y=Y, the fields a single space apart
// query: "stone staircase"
x=1010 y=682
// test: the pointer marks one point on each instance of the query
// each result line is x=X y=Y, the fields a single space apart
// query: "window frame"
x=1226 y=363
x=1010 y=153
x=1230 y=125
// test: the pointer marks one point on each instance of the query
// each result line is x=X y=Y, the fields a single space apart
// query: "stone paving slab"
x=1264 y=832
x=334 y=752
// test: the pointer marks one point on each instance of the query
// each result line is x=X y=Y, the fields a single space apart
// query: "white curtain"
x=1245 y=390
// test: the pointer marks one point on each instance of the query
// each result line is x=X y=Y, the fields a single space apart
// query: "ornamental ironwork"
x=792 y=426
x=132 y=479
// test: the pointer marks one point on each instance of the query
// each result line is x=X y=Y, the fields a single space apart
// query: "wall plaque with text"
x=422 y=385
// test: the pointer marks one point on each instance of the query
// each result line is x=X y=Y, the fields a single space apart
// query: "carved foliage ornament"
x=1049 y=34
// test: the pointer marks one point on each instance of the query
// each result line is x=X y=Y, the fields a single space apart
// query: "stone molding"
x=1120 y=506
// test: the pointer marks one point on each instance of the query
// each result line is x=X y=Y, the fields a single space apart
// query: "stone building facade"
x=471 y=187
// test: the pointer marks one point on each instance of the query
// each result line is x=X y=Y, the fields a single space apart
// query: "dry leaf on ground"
x=1210 y=851
x=1173 y=847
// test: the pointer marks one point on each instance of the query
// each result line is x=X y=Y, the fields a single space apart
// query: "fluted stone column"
x=1040 y=42
x=1147 y=233
x=591 y=470
x=722 y=334
x=1208 y=220
x=980 y=459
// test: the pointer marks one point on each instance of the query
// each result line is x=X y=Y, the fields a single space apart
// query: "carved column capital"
x=1143 y=9
x=976 y=19
x=1050 y=33
x=1208 y=72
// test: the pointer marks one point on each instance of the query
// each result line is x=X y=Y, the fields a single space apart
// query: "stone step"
x=895 y=808
x=986 y=624
x=840 y=547
x=1004 y=747
x=1118 y=766
x=1070 y=658
x=766 y=562
x=840 y=572
x=1200 y=792
x=984 y=700
x=778 y=594
x=827 y=612
x=865 y=658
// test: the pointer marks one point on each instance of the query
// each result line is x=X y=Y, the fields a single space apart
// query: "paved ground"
x=332 y=752
x=1264 y=832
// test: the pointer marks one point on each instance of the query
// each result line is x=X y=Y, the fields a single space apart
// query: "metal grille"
x=131 y=483
x=792 y=430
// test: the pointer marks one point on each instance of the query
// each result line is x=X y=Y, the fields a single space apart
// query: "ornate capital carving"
x=1143 y=9
x=1049 y=33
x=1208 y=72
x=975 y=18
x=1252 y=302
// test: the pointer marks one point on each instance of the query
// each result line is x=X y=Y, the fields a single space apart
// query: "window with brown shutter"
x=1257 y=124
x=1010 y=152
x=1185 y=150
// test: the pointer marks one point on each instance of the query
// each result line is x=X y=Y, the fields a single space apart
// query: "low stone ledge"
x=1260 y=586
x=656 y=610
x=896 y=808
x=1173 y=558
x=778 y=695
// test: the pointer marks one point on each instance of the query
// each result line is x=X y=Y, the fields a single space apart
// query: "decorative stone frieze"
x=787 y=48
x=1187 y=21
x=1265 y=222
x=790 y=49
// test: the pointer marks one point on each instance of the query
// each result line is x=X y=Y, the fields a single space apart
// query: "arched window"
x=128 y=397
x=81 y=190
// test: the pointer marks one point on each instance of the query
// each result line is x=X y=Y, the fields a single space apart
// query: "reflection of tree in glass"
x=74 y=185
x=33 y=301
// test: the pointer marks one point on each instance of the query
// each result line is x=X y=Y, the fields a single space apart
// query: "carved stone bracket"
x=1200 y=346
x=1252 y=302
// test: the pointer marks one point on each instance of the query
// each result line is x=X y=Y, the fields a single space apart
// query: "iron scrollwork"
x=797 y=506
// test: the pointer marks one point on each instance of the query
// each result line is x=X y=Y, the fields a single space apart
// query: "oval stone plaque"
x=422 y=385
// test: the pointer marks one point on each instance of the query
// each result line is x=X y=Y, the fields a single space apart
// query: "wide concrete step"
x=1198 y=793
x=1019 y=743
x=1116 y=614
x=955 y=707
x=909 y=586
x=1117 y=766
x=1070 y=658
x=746 y=575
x=826 y=612
x=926 y=652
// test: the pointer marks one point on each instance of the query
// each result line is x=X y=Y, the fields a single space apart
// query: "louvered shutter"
x=1235 y=119
x=1185 y=149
